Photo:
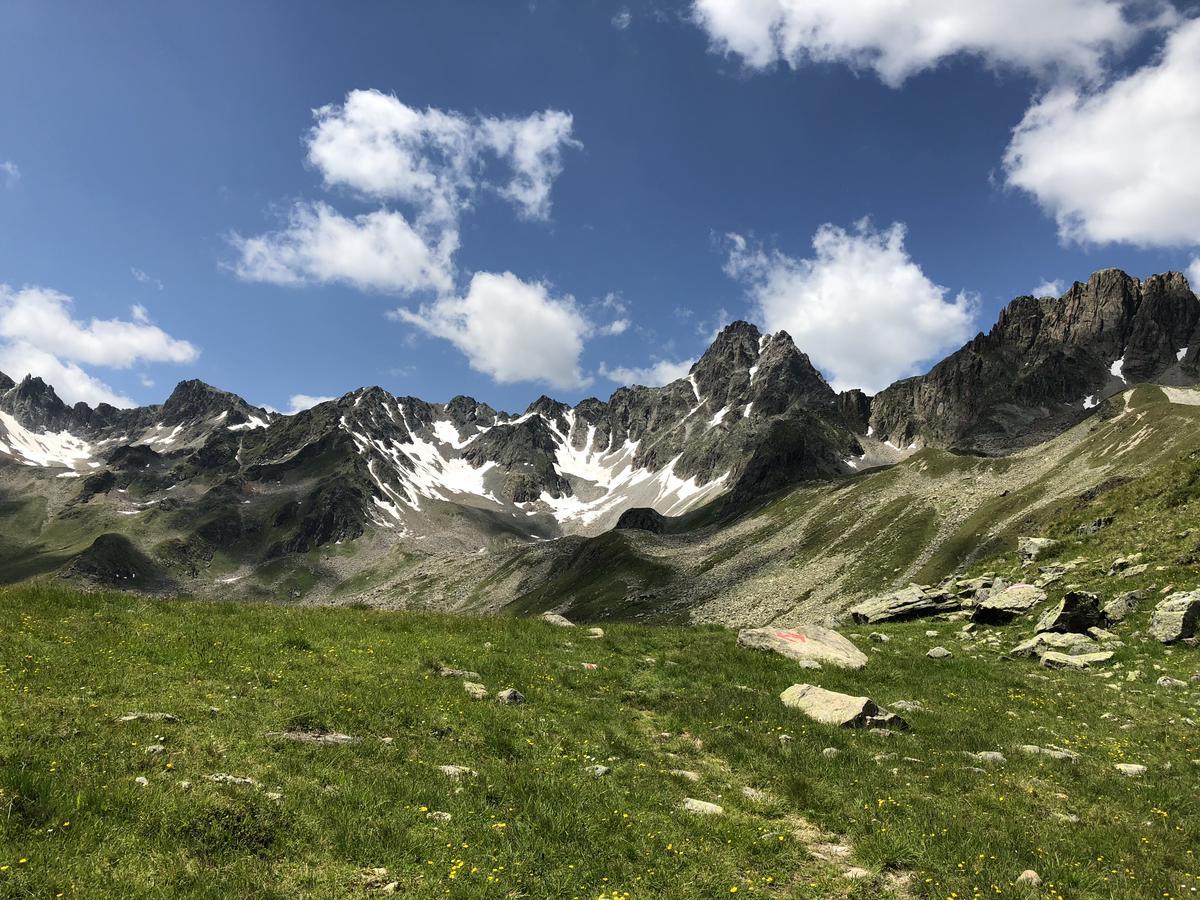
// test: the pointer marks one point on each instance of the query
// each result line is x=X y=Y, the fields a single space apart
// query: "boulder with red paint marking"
x=807 y=643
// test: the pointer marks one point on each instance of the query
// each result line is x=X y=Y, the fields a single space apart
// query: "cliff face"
x=1045 y=363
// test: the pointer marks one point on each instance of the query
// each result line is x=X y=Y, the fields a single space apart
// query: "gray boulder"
x=1119 y=607
x=1078 y=611
x=1031 y=548
x=1043 y=643
x=1053 y=660
x=843 y=710
x=556 y=619
x=1177 y=617
x=939 y=653
x=808 y=644
x=912 y=602
x=1002 y=607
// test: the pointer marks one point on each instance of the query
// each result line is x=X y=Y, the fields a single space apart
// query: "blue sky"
x=157 y=166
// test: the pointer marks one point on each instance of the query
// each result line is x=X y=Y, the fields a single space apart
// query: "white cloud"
x=655 y=375
x=1119 y=164
x=71 y=383
x=900 y=38
x=533 y=148
x=511 y=330
x=1048 y=289
x=9 y=173
x=377 y=251
x=300 y=402
x=860 y=307
x=139 y=313
x=619 y=326
x=42 y=318
x=623 y=19
x=433 y=159
x=39 y=336
x=144 y=278
x=1193 y=275
x=432 y=162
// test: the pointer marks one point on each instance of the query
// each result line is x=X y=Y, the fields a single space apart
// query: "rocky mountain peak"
x=35 y=405
x=466 y=411
x=193 y=400
x=6 y=383
x=550 y=409
x=1046 y=362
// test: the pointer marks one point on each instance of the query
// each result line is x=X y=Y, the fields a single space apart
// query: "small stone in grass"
x=457 y=773
x=510 y=695
x=149 y=717
x=598 y=771
x=702 y=807
x=939 y=653
x=475 y=690
x=141 y=780
x=1131 y=770
x=595 y=633
x=991 y=757
x=830 y=752
x=685 y=774
x=1029 y=877
x=225 y=778
x=438 y=816
x=154 y=749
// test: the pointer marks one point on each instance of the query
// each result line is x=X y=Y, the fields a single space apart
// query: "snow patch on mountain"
x=46 y=449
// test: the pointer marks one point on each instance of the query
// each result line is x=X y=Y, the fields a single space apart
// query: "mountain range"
x=397 y=501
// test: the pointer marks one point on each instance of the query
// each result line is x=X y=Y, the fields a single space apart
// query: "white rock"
x=702 y=807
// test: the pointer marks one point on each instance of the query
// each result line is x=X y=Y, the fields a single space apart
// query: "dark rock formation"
x=1044 y=364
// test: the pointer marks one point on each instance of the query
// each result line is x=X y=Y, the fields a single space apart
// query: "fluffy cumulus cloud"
x=860 y=306
x=39 y=335
x=300 y=402
x=378 y=251
x=511 y=330
x=1119 y=163
x=900 y=38
x=1048 y=289
x=433 y=165
x=656 y=374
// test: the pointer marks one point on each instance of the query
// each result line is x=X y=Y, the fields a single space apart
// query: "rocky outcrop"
x=1045 y=363
x=912 y=602
x=811 y=644
x=1004 y=606
x=1177 y=617
x=1078 y=611
x=843 y=710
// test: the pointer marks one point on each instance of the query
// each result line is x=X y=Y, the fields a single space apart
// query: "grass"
x=534 y=823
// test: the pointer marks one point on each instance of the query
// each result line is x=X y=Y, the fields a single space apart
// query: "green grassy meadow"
x=533 y=822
